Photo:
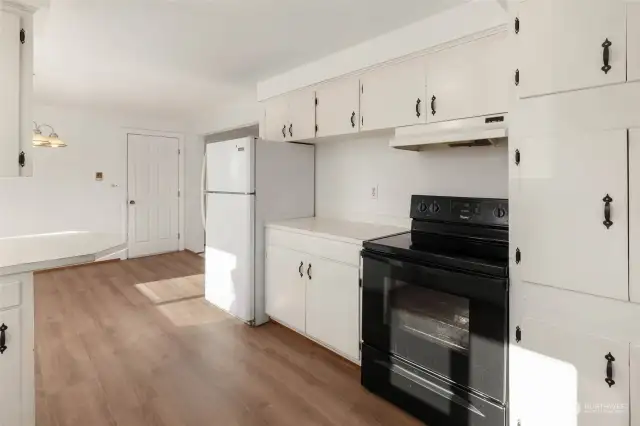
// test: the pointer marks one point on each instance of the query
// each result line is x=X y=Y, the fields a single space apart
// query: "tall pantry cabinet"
x=574 y=144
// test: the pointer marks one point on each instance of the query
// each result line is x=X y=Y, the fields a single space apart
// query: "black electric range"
x=435 y=312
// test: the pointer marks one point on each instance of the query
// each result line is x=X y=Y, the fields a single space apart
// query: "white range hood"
x=490 y=129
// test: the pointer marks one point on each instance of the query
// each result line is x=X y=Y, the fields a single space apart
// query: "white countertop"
x=351 y=232
x=43 y=251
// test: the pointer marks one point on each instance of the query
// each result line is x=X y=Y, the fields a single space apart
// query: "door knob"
x=132 y=202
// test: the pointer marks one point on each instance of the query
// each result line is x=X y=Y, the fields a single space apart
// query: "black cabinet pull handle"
x=353 y=119
x=300 y=270
x=609 y=378
x=309 y=271
x=291 y=130
x=284 y=131
x=3 y=338
x=433 y=105
x=418 y=102
x=607 y=211
x=606 y=56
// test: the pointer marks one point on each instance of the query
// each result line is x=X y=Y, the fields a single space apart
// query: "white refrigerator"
x=246 y=183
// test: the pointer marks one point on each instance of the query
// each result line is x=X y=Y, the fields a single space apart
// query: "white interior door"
x=10 y=94
x=563 y=181
x=229 y=256
x=154 y=200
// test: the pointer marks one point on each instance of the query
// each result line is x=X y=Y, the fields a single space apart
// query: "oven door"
x=451 y=323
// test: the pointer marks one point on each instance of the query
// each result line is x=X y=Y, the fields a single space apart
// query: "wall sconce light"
x=51 y=141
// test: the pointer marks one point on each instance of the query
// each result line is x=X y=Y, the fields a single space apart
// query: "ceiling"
x=181 y=56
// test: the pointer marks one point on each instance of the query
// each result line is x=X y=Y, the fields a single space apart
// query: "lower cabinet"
x=316 y=296
x=333 y=305
x=567 y=378
x=286 y=286
x=11 y=368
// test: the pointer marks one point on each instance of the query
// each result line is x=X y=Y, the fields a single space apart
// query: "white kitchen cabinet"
x=302 y=115
x=393 y=96
x=11 y=368
x=276 y=119
x=290 y=117
x=561 y=45
x=469 y=80
x=561 y=187
x=10 y=89
x=633 y=41
x=286 y=286
x=634 y=215
x=557 y=377
x=338 y=107
x=634 y=364
x=333 y=305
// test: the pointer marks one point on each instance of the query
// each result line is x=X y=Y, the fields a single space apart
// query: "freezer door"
x=230 y=166
x=229 y=254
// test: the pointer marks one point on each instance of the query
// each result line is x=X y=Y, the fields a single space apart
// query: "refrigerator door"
x=230 y=166
x=229 y=254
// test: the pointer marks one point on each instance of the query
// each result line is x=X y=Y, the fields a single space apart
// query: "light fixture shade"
x=55 y=141
x=39 y=139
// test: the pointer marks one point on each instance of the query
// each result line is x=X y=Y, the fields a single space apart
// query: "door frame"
x=181 y=185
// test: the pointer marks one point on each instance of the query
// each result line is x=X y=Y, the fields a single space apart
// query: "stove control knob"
x=499 y=212
x=434 y=207
x=422 y=207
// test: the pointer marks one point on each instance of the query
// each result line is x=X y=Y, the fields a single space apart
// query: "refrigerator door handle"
x=203 y=184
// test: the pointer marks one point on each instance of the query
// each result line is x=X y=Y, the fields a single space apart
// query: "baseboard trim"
x=97 y=262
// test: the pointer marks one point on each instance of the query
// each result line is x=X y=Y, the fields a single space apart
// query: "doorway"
x=153 y=188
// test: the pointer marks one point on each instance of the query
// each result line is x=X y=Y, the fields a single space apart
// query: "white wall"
x=63 y=194
x=447 y=26
x=194 y=231
x=346 y=171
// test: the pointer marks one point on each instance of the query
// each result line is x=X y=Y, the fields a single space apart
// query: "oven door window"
x=427 y=315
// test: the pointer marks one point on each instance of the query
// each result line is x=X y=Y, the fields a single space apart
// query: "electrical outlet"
x=374 y=192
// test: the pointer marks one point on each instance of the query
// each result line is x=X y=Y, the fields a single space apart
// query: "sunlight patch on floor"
x=174 y=289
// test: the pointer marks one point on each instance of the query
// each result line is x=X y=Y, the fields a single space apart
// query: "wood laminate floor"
x=134 y=343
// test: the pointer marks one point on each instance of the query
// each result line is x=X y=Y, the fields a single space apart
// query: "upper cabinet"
x=290 y=117
x=633 y=41
x=338 y=108
x=571 y=190
x=470 y=80
x=393 y=96
x=569 y=44
x=16 y=78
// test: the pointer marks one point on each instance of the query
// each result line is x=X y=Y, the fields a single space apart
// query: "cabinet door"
x=302 y=115
x=10 y=370
x=285 y=286
x=276 y=120
x=333 y=305
x=561 y=187
x=338 y=107
x=469 y=80
x=10 y=94
x=635 y=380
x=393 y=96
x=560 y=44
x=557 y=377
x=633 y=41
x=634 y=215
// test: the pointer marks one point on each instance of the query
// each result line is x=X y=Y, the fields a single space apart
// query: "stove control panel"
x=477 y=211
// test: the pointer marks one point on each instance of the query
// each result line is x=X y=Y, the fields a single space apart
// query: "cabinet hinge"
x=316 y=128
x=518 y=334
x=22 y=159
x=517 y=25
x=360 y=282
x=178 y=235
x=316 y=101
x=178 y=193
x=360 y=344
x=179 y=152
x=517 y=77
x=23 y=36
x=518 y=256
x=517 y=157
x=362 y=88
